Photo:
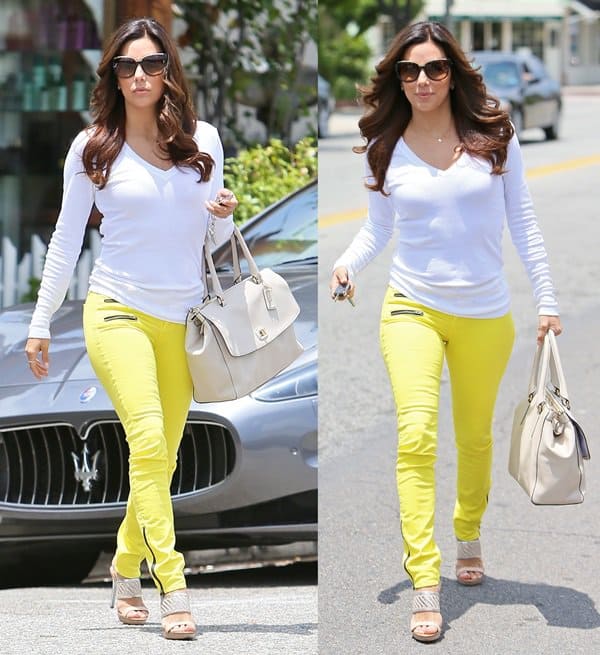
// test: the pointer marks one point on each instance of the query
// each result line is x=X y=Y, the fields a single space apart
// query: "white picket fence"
x=15 y=274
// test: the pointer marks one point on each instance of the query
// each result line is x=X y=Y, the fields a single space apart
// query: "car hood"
x=509 y=94
x=68 y=358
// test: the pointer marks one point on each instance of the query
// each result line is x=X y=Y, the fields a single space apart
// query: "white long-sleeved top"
x=450 y=224
x=153 y=229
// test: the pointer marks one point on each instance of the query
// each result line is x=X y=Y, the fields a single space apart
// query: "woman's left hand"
x=546 y=323
x=223 y=205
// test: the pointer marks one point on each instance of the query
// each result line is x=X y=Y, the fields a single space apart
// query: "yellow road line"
x=342 y=217
x=569 y=165
x=532 y=173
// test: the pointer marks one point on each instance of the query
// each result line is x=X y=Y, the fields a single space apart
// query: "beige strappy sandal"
x=126 y=589
x=175 y=602
x=469 y=550
x=426 y=600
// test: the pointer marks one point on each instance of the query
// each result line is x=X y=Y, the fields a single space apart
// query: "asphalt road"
x=255 y=612
x=542 y=589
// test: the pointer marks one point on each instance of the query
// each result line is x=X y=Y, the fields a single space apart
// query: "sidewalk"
x=581 y=90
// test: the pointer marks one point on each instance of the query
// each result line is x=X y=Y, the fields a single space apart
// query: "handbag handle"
x=236 y=240
x=557 y=375
x=547 y=357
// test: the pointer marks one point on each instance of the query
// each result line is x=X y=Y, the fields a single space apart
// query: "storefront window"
x=478 y=36
x=496 y=36
x=48 y=54
x=529 y=34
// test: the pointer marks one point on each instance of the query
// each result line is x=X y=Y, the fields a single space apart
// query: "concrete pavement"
x=257 y=612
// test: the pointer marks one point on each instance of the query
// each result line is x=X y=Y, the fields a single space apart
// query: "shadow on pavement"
x=304 y=573
x=300 y=574
x=306 y=629
x=560 y=606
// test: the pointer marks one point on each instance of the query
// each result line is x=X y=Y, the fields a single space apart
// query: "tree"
x=343 y=58
x=344 y=53
x=250 y=52
x=365 y=13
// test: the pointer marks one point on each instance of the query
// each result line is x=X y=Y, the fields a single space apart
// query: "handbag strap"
x=547 y=359
x=557 y=375
x=236 y=240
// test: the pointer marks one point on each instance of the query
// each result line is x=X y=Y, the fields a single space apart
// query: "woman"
x=444 y=167
x=155 y=173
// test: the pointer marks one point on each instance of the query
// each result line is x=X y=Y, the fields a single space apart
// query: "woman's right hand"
x=340 y=276
x=33 y=348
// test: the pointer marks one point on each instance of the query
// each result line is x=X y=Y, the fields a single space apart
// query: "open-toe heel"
x=176 y=602
x=426 y=600
x=127 y=589
x=469 y=550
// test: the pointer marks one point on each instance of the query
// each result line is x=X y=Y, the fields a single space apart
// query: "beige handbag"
x=548 y=446
x=239 y=338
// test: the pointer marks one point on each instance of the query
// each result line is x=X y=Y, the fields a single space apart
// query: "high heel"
x=126 y=589
x=175 y=602
x=426 y=600
x=469 y=550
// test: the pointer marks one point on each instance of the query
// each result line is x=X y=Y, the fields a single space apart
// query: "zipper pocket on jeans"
x=413 y=312
x=116 y=317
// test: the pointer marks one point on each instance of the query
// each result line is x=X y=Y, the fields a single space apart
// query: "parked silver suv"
x=524 y=87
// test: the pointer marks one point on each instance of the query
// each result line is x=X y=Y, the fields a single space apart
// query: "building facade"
x=565 y=34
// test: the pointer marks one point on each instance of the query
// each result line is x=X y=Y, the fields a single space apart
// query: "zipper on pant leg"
x=153 y=565
x=412 y=580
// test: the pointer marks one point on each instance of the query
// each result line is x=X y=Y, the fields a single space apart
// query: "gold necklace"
x=439 y=139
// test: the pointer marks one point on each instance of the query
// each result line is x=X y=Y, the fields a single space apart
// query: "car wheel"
x=48 y=564
x=552 y=131
x=516 y=116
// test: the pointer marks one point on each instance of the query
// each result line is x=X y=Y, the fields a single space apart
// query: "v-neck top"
x=450 y=224
x=137 y=156
x=153 y=229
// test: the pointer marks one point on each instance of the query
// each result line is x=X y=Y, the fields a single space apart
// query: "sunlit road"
x=256 y=612
x=542 y=588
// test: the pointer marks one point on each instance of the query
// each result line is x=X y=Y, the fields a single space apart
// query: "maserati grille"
x=52 y=466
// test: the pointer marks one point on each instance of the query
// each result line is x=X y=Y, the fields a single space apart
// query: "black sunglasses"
x=151 y=65
x=436 y=70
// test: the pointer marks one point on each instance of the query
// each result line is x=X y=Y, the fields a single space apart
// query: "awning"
x=497 y=10
x=586 y=10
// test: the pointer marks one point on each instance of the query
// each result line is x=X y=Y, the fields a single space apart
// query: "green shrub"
x=262 y=175
x=31 y=294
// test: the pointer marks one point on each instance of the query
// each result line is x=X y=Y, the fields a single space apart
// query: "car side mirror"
x=529 y=78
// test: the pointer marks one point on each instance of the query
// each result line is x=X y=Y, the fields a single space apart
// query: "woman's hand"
x=546 y=323
x=33 y=347
x=223 y=205
x=340 y=276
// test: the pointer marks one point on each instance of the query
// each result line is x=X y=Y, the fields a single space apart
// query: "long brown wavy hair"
x=484 y=130
x=174 y=111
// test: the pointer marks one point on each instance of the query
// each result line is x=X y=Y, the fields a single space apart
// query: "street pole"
x=448 y=14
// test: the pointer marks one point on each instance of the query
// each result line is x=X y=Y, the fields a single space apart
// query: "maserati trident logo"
x=84 y=473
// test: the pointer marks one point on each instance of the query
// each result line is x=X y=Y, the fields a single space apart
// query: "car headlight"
x=300 y=382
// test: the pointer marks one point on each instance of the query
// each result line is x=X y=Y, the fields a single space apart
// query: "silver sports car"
x=247 y=471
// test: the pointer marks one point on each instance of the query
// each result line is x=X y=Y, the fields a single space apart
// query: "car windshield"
x=285 y=235
x=501 y=74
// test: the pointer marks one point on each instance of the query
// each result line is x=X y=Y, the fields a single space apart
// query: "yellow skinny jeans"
x=414 y=341
x=140 y=361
